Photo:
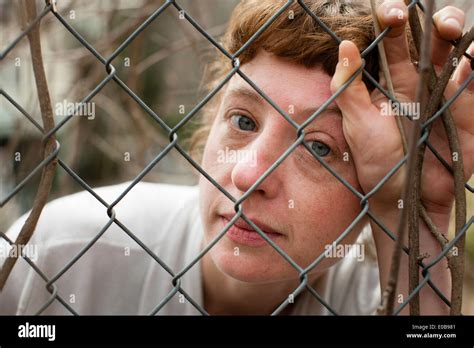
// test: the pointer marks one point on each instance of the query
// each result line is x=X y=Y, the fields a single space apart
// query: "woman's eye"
x=243 y=122
x=319 y=148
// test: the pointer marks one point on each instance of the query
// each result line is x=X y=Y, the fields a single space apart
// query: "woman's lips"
x=238 y=234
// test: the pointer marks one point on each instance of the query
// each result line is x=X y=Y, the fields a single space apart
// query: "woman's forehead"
x=286 y=83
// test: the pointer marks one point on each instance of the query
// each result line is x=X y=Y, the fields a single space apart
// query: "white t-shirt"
x=116 y=276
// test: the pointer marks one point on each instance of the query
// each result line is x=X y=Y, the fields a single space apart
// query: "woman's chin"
x=252 y=268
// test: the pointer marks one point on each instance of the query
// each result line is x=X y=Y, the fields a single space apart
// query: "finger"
x=356 y=94
x=464 y=69
x=354 y=102
x=394 y=14
x=449 y=23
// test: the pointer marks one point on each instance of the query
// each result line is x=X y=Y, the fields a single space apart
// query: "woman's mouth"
x=242 y=233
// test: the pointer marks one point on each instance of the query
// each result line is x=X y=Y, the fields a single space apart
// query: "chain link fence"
x=53 y=155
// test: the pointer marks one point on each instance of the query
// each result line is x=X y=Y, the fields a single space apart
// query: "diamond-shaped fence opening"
x=171 y=144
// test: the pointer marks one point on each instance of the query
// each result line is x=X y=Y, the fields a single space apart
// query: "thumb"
x=355 y=102
x=356 y=94
x=373 y=139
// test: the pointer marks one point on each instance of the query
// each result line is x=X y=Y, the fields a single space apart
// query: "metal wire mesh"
x=173 y=137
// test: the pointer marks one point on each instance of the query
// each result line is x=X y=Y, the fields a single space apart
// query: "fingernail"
x=453 y=23
x=395 y=12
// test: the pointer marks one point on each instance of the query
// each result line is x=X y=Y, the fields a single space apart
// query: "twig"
x=422 y=97
x=456 y=264
x=47 y=174
x=437 y=86
x=385 y=70
x=386 y=73
x=442 y=240
x=415 y=26
x=410 y=195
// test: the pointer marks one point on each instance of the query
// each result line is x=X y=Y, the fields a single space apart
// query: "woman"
x=300 y=206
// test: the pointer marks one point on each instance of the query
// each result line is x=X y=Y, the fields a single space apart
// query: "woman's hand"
x=370 y=126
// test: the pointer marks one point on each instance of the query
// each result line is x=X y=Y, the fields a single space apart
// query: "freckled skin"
x=323 y=207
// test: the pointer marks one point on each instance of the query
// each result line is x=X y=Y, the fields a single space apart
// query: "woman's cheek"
x=217 y=142
x=321 y=219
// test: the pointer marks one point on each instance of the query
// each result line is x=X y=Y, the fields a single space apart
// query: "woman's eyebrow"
x=332 y=109
x=249 y=93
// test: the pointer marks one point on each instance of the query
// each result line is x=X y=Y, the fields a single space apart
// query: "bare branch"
x=411 y=193
x=437 y=86
x=386 y=72
x=47 y=175
x=422 y=97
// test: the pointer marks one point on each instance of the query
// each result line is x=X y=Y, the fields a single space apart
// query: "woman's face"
x=302 y=207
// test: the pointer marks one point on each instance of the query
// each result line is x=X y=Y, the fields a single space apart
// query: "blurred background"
x=164 y=66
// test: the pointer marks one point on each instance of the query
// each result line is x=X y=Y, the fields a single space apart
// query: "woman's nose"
x=254 y=161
